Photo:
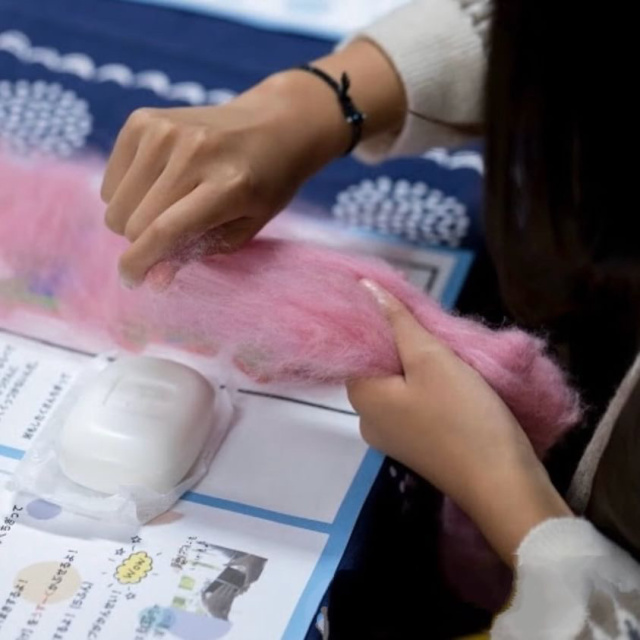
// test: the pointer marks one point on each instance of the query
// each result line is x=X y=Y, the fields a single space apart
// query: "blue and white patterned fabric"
x=71 y=71
x=325 y=18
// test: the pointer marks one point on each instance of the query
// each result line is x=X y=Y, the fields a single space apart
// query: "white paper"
x=278 y=455
x=33 y=378
x=283 y=456
x=152 y=585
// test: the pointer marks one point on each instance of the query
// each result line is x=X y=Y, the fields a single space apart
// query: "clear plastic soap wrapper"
x=40 y=473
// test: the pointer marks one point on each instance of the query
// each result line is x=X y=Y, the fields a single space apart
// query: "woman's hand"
x=442 y=420
x=177 y=175
x=214 y=176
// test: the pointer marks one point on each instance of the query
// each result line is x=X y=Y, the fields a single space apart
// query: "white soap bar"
x=140 y=423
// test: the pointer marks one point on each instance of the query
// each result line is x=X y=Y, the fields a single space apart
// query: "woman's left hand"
x=443 y=420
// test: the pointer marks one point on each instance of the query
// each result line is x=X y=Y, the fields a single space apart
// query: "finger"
x=161 y=276
x=170 y=187
x=367 y=394
x=143 y=172
x=414 y=342
x=121 y=158
x=224 y=239
x=233 y=235
x=181 y=224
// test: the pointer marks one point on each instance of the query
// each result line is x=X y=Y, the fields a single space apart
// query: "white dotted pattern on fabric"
x=18 y=44
x=410 y=210
x=43 y=117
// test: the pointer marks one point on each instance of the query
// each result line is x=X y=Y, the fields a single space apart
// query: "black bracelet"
x=352 y=114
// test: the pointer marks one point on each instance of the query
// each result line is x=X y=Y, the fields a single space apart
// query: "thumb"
x=413 y=341
x=235 y=234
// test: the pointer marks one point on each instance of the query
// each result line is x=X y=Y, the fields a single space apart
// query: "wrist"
x=376 y=87
x=510 y=499
x=307 y=113
x=311 y=113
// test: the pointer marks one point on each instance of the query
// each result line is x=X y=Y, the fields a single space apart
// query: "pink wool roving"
x=288 y=311
x=285 y=311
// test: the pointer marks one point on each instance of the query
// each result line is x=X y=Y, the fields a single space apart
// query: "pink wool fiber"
x=285 y=311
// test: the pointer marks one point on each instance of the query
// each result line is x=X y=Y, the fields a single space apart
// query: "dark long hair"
x=563 y=189
x=563 y=213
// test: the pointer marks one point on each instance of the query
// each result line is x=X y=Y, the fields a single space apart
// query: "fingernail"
x=380 y=295
x=127 y=283
x=160 y=276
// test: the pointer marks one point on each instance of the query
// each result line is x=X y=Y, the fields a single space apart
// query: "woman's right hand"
x=177 y=175
x=209 y=178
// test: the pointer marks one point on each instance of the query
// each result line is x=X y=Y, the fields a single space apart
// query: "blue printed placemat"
x=71 y=72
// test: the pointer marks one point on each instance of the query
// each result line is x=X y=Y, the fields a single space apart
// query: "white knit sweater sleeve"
x=438 y=49
x=572 y=584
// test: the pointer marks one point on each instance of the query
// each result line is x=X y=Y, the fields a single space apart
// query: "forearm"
x=311 y=112
x=417 y=75
x=501 y=486
x=508 y=501
x=375 y=86
x=438 y=49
